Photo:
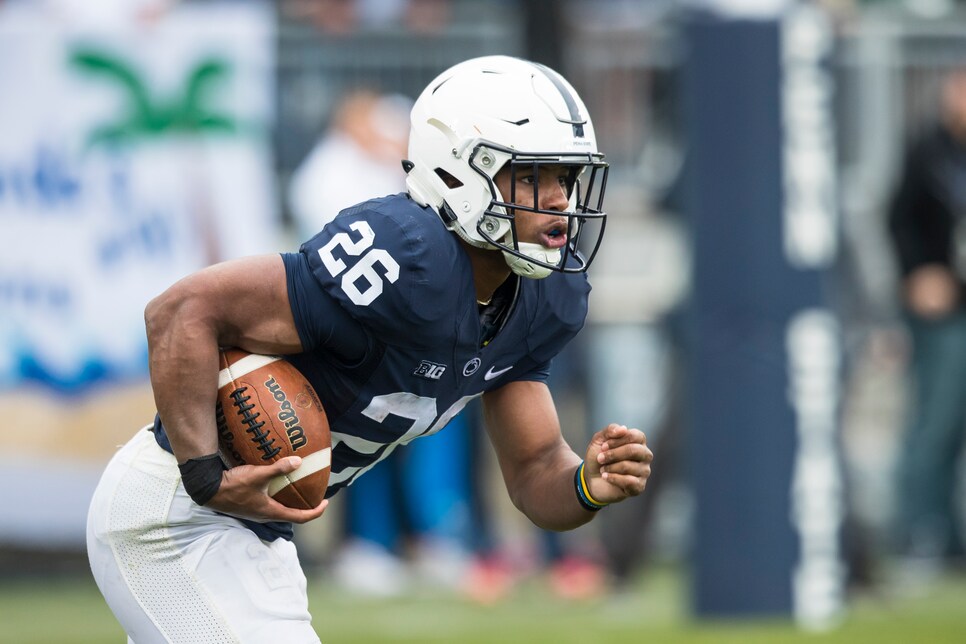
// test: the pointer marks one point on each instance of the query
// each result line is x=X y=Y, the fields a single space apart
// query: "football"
x=266 y=411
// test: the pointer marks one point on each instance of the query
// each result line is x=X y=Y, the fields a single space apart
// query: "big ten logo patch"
x=429 y=370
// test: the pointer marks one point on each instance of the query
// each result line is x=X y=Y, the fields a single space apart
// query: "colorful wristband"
x=201 y=477
x=588 y=502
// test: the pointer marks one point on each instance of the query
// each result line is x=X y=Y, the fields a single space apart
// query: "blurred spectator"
x=571 y=564
x=409 y=517
x=367 y=138
x=624 y=366
x=928 y=226
x=633 y=361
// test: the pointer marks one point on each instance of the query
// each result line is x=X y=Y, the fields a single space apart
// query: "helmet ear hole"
x=447 y=214
x=450 y=181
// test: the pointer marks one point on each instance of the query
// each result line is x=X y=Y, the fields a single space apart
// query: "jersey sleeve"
x=320 y=321
x=556 y=317
x=389 y=265
x=538 y=373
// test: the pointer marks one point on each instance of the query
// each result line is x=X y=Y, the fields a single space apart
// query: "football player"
x=399 y=312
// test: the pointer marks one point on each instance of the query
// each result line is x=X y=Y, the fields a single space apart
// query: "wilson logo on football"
x=286 y=414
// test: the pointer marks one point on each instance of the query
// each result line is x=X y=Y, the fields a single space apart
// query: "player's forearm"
x=546 y=493
x=183 y=360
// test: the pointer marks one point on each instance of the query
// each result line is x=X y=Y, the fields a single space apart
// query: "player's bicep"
x=244 y=301
x=240 y=302
x=522 y=423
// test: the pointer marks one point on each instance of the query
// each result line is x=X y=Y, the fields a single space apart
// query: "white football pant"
x=174 y=571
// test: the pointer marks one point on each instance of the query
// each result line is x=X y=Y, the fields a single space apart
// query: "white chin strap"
x=525 y=268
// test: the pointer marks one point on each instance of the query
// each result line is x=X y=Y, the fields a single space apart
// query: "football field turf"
x=70 y=611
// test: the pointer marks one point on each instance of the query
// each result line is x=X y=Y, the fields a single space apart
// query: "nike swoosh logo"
x=490 y=374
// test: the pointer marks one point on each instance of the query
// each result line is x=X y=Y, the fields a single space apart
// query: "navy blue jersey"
x=385 y=306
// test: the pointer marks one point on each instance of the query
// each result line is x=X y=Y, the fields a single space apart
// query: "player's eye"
x=569 y=180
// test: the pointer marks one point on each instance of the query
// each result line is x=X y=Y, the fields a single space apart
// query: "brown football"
x=266 y=411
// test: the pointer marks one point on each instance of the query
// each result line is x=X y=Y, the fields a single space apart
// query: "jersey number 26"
x=364 y=269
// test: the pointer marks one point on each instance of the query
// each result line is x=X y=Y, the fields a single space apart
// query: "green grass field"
x=72 y=612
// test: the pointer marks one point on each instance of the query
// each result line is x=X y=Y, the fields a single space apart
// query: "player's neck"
x=489 y=270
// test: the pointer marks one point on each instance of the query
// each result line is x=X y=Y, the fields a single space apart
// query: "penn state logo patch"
x=472 y=366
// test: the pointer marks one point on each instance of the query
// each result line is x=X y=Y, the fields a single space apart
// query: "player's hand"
x=618 y=463
x=244 y=493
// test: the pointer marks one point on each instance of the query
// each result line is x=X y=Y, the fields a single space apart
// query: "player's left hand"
x=617 y=464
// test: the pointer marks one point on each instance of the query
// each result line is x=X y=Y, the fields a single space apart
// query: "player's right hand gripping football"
x=244 y=493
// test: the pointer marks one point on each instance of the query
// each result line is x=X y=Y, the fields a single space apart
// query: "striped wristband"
x=588 y=502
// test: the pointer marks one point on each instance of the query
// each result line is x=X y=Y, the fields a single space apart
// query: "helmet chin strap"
x=525 y=268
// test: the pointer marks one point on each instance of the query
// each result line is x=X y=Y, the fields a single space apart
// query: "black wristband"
x=201 y=477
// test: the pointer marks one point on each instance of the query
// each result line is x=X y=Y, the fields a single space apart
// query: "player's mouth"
x=555 y=235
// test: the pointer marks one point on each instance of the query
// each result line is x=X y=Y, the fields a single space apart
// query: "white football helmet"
x=485 y=113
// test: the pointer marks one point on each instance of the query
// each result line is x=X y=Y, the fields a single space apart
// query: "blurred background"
x=777 y=304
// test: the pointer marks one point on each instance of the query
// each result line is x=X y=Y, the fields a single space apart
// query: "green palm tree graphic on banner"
x=143 y=117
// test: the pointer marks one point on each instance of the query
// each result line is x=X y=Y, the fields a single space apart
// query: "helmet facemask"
x=586 y=183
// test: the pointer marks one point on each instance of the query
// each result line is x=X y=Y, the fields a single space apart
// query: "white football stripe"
x=311 y=464
x=244 y=366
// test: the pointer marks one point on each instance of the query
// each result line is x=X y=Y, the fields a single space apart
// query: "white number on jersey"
x=419 y=409
x=362 y=269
